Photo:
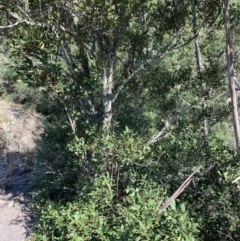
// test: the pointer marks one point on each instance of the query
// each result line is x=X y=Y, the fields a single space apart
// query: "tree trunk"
x=200 y=70
x=230 y=69
x=204 y=104
x=107 y=79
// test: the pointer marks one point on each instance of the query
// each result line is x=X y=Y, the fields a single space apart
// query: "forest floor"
x=19 y=128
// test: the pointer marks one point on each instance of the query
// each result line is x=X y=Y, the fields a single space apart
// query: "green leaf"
x=182 y=207
x=142 y=226
x=173 y=205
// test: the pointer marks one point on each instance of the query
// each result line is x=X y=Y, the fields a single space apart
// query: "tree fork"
x=230 y=69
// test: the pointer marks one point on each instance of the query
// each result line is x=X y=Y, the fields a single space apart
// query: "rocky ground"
x=18 y=131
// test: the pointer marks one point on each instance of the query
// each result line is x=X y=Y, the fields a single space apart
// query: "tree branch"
x=67 y=59
x=38 y=24
x=159 y=135
x=11 y=25
x=142 y=66
x=178 y=192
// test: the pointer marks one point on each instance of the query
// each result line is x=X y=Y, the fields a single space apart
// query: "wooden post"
x=230 y=69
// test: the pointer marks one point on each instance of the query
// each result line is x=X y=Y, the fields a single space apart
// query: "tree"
x=100 y=43
x=230 y=69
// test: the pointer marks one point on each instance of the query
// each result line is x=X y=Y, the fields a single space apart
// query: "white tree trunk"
x=230 y=69
x=107 y=78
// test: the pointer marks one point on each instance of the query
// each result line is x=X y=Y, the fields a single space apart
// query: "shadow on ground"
x=19 y=130
x=17 y=181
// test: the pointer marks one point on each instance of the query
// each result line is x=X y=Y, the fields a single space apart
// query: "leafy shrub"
x=103 y=188
x=98 y=216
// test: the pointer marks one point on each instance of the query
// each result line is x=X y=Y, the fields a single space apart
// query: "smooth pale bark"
x=107 y=98
x=107 y=80
x=230 y=69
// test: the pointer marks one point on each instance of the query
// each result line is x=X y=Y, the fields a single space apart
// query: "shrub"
x=104 y=188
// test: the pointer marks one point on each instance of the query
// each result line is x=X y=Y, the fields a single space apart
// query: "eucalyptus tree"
x=230 y=68
x=87 y=52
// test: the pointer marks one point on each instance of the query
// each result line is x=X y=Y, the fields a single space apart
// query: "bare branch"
x=226 y=235
x=11 y=25
x=15 y=15
x=142 y=66
x=159 y=135
x=66 y=58
x=236 y=179
x=22 y=11
x=178 y=192
x=128 y=79
x=38 y=24
x=71 y=120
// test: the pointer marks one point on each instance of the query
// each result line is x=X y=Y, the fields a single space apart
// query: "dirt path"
x=12 y=220
x=18 y=130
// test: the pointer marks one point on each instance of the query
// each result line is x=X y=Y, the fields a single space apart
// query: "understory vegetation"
x=135 y=100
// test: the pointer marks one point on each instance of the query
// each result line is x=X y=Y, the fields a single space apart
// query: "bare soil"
x=19 y=129
x=12 y=219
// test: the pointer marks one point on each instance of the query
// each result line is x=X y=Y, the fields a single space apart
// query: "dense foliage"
x=130 y=114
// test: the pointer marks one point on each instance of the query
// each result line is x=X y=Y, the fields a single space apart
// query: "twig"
x=11 y=25
x=236 y=179
x=226 y=235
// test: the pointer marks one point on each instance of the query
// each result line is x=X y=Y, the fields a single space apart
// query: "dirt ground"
x=12 y=220
x=13 y=202
x=19 y=129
